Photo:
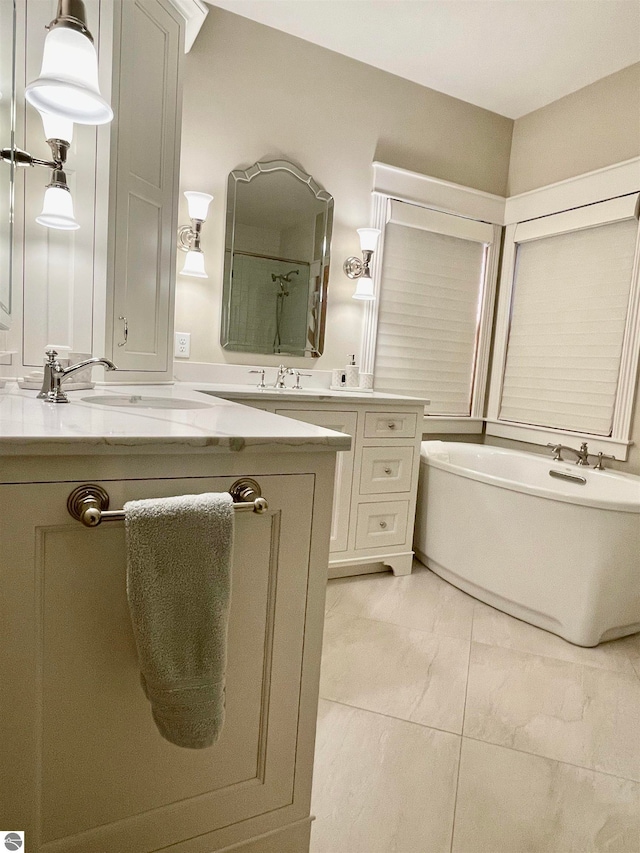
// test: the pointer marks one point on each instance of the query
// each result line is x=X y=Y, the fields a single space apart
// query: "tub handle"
x=574 y=478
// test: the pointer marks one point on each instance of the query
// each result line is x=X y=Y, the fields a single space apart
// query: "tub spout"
x=582 y=454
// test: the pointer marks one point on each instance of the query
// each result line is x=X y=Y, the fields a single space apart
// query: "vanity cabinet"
x=376 y=483
x=80 y=288
x=88 y=771
x=341 y=422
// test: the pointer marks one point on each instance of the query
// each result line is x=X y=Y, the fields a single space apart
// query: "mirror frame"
x=9 y=196
x=245 y=176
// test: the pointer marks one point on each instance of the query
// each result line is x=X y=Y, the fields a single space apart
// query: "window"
x=434 y=295
x=565 y=342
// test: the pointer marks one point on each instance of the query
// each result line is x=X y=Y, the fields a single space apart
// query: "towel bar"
x=90 y=503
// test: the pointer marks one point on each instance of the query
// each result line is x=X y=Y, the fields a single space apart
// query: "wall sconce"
x=66 y=91
x=189 y=235
x=361 y=269
x=68 y=83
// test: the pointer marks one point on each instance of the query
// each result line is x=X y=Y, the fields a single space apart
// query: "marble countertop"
x=288 y=395
x=29 y=426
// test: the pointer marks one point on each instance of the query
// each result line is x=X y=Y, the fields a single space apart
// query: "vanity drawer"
x=382 y=524
x=386 y=469
x=390 y=424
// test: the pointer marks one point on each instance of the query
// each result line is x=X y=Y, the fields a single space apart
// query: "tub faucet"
x=582 y=454
x=55 y=373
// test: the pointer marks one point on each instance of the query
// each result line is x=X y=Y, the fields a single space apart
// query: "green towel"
x=179 y=591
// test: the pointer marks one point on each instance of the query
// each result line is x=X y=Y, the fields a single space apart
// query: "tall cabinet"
x=143 y=186
x=108 y=288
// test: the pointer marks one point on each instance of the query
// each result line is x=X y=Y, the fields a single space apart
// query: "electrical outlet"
x=182 y=345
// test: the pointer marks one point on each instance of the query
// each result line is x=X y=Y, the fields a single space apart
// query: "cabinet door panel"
x=94 y=773
x=341 y=422
x=144 y=148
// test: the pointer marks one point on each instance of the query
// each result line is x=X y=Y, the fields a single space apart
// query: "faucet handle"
x=261 y=384
x=599 y=466
x=557 y=452
x=298 y=374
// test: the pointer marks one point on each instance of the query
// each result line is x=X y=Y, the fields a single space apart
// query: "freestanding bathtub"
x=553 y=543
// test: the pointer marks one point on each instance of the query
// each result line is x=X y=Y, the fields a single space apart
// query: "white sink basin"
x=136 y=401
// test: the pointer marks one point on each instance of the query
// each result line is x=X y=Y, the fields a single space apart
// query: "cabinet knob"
x=383 y=524
x=387 y=470
x=391 y=424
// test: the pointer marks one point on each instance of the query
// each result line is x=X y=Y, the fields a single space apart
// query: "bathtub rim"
x=537 y=491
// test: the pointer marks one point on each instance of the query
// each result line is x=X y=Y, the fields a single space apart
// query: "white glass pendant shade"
x=68 y=82
x=57 y=210
x=364 y=289
x=194 y=264
x=56 y=127
x=368 y=238
x=198 y=205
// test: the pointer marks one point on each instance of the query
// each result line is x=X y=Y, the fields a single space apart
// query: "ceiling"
x=508 y=56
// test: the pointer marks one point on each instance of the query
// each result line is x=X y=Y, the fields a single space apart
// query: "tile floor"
x=446 y=726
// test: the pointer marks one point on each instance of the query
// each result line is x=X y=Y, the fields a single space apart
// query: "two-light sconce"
x=189 y=235
x=361 y=269
x=66 y=92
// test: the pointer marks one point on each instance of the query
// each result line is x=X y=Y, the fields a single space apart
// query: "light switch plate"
x=182 y=345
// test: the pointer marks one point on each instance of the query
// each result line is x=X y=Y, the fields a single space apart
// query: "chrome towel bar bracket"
x=90 y=503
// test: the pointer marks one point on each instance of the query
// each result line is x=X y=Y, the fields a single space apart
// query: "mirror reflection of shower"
x=282 y=279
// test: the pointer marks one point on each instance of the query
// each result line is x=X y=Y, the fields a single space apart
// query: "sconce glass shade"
x=56 y=127
x=198 y=205
x=368 y=238
x=57 y=210
x=68 y=82
x=194 y=264
x=364 y=289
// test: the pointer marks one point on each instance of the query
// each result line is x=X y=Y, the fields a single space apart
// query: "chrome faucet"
x=582 y=454
x=283 y=372
x=55 y=373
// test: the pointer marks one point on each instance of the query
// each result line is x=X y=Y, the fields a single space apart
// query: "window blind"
x=568 y=315
x=431 y=289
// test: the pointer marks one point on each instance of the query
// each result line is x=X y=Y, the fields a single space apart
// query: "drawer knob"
x=383 y=524
x=387 y=470
x=391 y=424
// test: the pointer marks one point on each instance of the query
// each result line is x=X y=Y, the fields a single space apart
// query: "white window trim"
x=392 y=183
x=604 y=184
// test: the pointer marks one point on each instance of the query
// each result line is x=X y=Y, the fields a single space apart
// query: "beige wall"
x=254 y=93
x=589 y=129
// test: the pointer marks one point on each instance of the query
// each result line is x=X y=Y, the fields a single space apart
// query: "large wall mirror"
x=276 y=265
x=7 y=130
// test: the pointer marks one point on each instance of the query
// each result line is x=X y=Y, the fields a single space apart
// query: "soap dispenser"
x=352 y=374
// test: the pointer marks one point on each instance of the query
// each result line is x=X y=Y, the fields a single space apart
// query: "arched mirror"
x=276 y=264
